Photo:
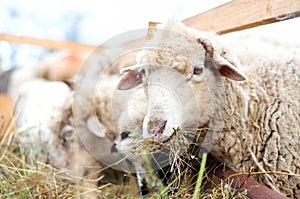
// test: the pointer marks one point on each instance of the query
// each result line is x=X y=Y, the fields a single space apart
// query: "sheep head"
x=178 y=70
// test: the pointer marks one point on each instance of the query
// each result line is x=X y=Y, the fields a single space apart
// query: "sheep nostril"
x=157 y=128
x=113 y=148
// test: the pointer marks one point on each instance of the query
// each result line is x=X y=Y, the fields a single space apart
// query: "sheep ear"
x=131 y=77
x=227 y=69
x=95 y=126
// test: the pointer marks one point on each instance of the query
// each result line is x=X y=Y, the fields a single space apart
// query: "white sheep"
x=31 y=100
x=46 y=124
x=61 y=65
x=42 y=109
x=102 y=114
x=180 y=71
x=129 y=142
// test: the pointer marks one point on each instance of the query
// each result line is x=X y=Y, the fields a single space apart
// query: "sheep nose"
x=156 y=128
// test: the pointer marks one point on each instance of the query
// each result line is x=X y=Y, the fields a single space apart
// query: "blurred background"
x=93 y=22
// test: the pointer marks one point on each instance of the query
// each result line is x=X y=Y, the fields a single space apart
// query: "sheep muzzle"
x=156 y=128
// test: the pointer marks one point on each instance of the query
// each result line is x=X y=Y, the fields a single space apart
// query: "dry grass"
x=25 y=176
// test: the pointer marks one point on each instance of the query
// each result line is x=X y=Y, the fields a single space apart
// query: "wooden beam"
x=239 y=181
x=47 y=43
x=243 y=14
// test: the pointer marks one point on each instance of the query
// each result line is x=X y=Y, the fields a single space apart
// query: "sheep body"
x=45 y=130
x=108 y=114
x=32 y=98
x=265 y=135
x=46 y=124
x=101 y=112
x=46 y=117
x=261 y=113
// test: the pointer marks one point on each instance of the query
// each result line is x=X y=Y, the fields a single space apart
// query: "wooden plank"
x=55 y=44
x=243 y=14
x=239 y=181
x=47 y=43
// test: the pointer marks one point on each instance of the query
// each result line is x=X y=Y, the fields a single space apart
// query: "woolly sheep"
x=129 y=138
x=47 y=106
x=45 y=120
x=108 y=113
x=61 y=65
x=46 y=125
x=42 y=111
x=260 y=119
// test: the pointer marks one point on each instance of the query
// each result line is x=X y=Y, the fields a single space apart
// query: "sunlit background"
x=93 y=22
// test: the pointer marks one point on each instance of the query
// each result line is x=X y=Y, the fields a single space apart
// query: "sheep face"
x=166 y=94
x=170 y=97
x=180 y=80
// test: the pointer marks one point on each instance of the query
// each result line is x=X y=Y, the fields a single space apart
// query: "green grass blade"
x=200 y=177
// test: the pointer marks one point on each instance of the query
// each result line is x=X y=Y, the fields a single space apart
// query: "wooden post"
x=243 y=14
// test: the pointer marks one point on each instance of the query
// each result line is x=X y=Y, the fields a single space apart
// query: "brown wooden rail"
x=254 y=189
x=47 y=43
x=243 y=14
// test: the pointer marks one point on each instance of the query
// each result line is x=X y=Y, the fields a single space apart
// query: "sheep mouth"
x=162 y=139
x=172 y=136
x=186 y=136
x=158 y=127
x=159 y=136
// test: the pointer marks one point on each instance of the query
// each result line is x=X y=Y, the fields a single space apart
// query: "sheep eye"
x=144 y=72
x=198 y=70
x=125 y=134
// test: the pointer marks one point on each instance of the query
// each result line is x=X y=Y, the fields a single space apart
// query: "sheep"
x=42 y=110
x=46 y=133
x=61 y=65
x=129 y=140
x=107 y=114
x=180 y=70
x=48 y=123
x=32 y=96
